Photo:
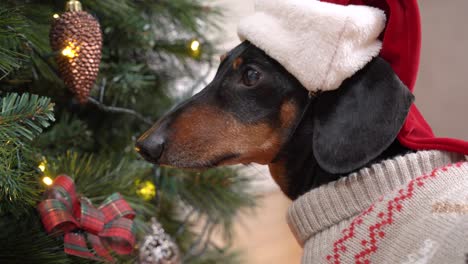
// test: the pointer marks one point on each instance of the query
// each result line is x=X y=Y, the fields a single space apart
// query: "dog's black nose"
x=150 y=147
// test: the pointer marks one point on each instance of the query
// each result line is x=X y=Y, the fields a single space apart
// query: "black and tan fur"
x=306 y=141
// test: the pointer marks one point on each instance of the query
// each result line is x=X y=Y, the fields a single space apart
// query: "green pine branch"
x=24 y=116
x=21 y=119
x=68 y=133
x=25 y=241
x=10 y=58
x=219 y=194
x=19 y=188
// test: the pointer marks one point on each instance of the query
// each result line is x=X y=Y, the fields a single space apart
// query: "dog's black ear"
x=358 y=121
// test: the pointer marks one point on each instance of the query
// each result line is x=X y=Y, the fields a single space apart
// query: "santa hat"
x=333 y=39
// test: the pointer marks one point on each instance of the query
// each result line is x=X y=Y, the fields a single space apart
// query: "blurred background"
x=441 y=95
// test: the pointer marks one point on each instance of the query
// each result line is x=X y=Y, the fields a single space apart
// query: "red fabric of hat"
x=402 y=48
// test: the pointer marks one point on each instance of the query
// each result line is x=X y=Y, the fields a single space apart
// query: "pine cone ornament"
x=159 y=248
x=76 y=36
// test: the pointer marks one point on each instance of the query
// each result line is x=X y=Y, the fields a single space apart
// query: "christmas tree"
x=51 y=126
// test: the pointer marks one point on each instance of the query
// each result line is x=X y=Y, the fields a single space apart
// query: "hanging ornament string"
x=110 y=226
x=77 y=39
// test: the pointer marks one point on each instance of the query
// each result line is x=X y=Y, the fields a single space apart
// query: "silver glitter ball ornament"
x=158 y=247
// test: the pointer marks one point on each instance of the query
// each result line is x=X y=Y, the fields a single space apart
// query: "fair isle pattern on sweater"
x=385 y=218
x=385 y=213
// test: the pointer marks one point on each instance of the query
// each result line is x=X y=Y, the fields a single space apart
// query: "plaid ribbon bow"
x=89 y=231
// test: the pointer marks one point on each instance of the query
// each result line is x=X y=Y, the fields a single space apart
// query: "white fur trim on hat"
x=321 y=44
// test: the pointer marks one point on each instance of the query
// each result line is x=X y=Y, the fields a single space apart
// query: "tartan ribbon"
x=89 y=232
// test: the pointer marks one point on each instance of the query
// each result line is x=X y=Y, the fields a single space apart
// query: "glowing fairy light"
x=47 y=180
x=56 y=16
x=195 y=45
x=147 y=190
x=68 y=52
x=71 y=50
x=42 y=166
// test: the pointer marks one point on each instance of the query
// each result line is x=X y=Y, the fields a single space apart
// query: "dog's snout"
x=150 y=147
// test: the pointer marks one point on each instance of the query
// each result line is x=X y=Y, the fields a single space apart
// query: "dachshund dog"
x=254 y=111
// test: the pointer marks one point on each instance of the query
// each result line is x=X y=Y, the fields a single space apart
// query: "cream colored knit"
x=411 y=209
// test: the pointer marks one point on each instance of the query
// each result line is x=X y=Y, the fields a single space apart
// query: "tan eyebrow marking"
x=237 y=62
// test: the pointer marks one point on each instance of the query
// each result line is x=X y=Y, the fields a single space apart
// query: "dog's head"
x=242 y=116
x=253 y=108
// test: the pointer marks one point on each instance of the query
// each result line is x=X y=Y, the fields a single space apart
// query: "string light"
x=71 y=50
x=147 y=191
x=42 y=166
x=56 y=16
x=195 y=45
x=68 y=52
x=47 y=180
x=194 y=48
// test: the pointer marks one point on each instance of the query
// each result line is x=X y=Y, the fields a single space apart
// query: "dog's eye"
x=251 y=77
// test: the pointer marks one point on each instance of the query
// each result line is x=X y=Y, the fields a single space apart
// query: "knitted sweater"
x=410 y=209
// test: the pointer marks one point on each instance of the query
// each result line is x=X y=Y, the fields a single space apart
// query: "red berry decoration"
x=76 y=37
